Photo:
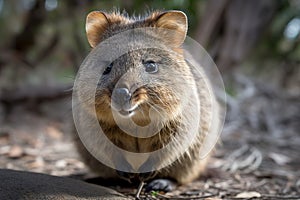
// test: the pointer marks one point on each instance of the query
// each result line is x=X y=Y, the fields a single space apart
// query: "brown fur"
x=188 y=166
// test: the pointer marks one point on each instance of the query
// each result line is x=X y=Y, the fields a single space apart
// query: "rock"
x=35 y=186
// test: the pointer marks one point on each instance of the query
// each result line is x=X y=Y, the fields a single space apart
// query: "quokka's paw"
x=164 y=185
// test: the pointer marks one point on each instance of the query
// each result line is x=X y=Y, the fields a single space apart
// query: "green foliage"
x=275 y=45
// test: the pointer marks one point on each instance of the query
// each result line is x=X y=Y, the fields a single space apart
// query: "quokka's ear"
x=96 y=24
x=176 y=22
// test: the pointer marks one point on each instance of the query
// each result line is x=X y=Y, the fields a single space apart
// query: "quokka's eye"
x=150 y=66
x=108 y=68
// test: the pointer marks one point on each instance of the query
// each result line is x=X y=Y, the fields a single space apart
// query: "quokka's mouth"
x=127 y=113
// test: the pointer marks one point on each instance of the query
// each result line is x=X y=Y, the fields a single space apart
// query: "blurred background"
x=254 y=43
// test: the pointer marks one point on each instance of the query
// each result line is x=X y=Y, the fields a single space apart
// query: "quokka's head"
x=151 y=76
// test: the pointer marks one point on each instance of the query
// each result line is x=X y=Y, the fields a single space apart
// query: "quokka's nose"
x=121 y=96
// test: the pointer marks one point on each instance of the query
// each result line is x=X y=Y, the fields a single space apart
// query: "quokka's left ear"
x=176 y=25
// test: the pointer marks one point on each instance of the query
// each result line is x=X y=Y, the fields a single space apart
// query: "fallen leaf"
x=54 y=132
x=4 y=150
x=61 y=164
x=15 y=152
x=247 y=195
x=280 y=159
x=38 y=163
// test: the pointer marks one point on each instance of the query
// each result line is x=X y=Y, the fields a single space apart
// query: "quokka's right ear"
x=96 y=24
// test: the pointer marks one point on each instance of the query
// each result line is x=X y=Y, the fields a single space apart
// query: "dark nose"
x=122 y=96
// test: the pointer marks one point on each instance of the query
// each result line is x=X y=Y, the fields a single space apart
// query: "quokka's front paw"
x=164 y=185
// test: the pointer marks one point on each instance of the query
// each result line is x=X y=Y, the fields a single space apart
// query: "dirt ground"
x=258 y=157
